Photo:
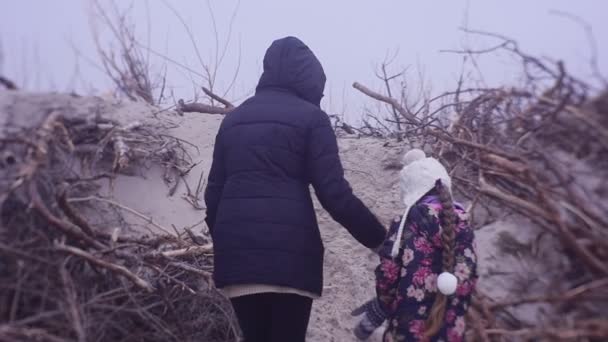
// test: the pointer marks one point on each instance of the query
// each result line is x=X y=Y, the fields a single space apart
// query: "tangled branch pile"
x=539 y=151
x=64 y=277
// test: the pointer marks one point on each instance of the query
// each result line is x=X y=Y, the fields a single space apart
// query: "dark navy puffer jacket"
x=267 y=153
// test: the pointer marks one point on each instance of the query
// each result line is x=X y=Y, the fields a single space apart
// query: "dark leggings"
x=273 y=317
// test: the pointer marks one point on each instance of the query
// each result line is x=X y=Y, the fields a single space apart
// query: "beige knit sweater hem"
x=240 y=290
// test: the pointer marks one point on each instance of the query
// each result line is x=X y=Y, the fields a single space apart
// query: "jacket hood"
x=289 y=64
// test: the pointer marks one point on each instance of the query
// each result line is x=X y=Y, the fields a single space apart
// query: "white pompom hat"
x=417 y=177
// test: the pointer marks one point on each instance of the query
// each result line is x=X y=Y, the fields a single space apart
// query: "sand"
x=349 y=266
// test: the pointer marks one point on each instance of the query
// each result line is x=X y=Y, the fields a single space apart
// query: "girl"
x=427 y=270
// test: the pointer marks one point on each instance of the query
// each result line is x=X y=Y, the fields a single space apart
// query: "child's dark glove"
x=373 y=317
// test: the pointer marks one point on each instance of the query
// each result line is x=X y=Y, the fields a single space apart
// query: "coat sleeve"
x=388 y=271
x=215 y=183
x=333 y=190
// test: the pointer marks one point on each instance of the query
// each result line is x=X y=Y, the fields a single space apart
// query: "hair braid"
x=448 y=220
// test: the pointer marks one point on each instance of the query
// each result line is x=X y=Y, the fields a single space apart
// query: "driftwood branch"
x=587 y=118
x=218 y=98
x=7 y=83
x=121 y=270
x=208 y=276
x=72 y=303
x=189 y=251
x=386 y=99
x=148 y=219
x=62 y=201
x=573 y=294
x=67 y=228
x=591 y=328
x=201 y=108
x=14 y=333
x=196 y=107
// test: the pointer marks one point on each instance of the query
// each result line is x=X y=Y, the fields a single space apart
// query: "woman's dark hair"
x=448 y=220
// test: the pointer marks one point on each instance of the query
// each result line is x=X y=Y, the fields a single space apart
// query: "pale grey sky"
x=350 y=37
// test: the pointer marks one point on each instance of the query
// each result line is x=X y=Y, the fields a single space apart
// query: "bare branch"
x=123 y=207
x=121 y=270
x=189 y=251
x=201 y=108
x=594 y=59
x=391 y=101
x=8 y=84
x=217 y=98
x=573 y=294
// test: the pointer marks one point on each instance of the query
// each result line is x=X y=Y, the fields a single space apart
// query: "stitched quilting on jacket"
x=407 y=285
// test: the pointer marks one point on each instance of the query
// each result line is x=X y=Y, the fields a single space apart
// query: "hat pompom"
x=412 y=155
x=447 y=283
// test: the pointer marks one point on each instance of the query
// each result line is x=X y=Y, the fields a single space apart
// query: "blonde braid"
x=448 y=221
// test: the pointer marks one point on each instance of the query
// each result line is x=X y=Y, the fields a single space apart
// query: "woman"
x=268 y=151
x=427 y=270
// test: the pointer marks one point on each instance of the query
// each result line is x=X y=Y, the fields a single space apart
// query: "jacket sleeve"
x=326 y=174
x=215 y=183
x=388 y=272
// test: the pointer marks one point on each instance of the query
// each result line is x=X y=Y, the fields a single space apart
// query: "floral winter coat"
x=407 y=285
